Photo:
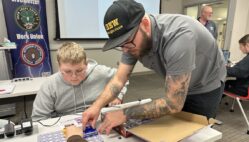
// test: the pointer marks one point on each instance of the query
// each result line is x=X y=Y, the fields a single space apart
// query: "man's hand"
x=90 y=116
x=112 y=119
x=116 y=101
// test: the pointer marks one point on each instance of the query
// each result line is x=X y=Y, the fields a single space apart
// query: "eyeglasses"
x=129 y=43
x=76 y=73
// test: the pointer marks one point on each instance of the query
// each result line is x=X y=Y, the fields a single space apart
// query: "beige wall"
x=240 y=28
x=171 y=6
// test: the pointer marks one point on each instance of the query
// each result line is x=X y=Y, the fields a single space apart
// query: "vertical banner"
x=27 y=27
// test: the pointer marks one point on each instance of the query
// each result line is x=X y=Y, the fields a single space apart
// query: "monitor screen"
x=83 y=19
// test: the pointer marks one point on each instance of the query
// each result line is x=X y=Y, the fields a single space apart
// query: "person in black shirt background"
x=240 y=70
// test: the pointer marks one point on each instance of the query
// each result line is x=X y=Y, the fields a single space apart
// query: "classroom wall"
x=171 y=6
x=109 y=58
x=240 y=28
x=194 y=2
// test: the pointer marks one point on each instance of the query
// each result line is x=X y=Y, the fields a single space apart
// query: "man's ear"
x=146 y=24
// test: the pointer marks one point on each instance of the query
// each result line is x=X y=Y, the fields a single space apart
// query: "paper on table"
x=6 y=88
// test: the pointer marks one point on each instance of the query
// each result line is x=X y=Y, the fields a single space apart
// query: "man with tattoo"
x=175 y=46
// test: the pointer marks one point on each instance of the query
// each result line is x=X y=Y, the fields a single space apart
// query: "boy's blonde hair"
x=72 y=53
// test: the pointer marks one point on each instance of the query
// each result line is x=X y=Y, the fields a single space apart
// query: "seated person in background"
x=240 y=70
x=76 y=86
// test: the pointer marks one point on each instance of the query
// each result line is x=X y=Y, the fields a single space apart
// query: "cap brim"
x=112 y=43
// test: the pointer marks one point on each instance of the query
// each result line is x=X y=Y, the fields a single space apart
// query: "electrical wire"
x=50 y=125
x=84 y=99
x=24 y=107
x=75 y=103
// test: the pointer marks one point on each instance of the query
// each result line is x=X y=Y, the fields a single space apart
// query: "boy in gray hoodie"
x=74 y=87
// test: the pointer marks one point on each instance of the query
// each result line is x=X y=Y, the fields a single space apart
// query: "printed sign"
x=27 y=27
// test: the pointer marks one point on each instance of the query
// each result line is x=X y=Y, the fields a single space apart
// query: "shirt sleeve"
x=180 y=56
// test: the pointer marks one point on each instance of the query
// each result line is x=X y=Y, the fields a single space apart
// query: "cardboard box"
x=171 y=128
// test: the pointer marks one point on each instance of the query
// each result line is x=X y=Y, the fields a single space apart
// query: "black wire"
x=24 y=105
x=45 y=125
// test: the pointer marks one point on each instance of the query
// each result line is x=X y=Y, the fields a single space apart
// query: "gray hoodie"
x=57 y=98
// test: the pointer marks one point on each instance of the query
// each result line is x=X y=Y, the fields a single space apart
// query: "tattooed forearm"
x=152 y=110
x=106 y=97
x=115 y=89
x=176 y=88
x=115 y=86
x=129 y=72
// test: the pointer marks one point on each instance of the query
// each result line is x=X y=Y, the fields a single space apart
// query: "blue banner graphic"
x=27 y=27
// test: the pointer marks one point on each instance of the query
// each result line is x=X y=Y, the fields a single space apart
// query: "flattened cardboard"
x=171 y=128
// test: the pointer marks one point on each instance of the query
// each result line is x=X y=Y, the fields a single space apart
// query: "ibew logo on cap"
x=113 y=26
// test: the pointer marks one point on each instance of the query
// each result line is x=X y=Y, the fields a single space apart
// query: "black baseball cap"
x=121 y=21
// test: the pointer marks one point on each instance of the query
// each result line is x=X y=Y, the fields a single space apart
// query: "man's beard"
x=145 y=46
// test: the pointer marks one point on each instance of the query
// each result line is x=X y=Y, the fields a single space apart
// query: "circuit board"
x=90 y=134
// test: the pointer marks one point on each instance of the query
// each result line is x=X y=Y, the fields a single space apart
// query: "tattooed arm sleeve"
x=176 y=88
x=115 y=85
